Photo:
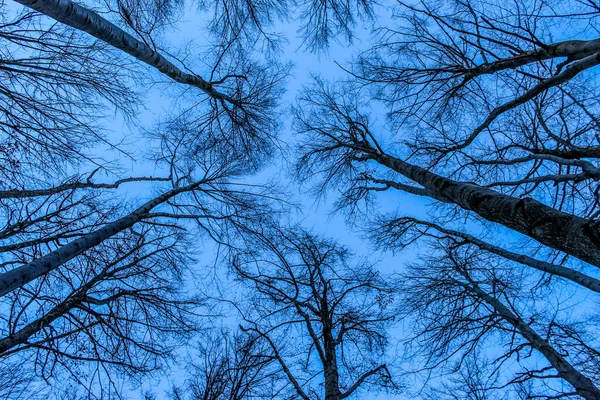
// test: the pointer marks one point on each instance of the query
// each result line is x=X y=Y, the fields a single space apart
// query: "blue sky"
x=315 y=215
x=189 y=32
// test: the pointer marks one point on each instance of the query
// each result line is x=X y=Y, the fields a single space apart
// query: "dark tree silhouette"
x=57 y=85
x=492 y=119
x=323 y=316
x=463 y=301
x=121 y=308
x=227 y=366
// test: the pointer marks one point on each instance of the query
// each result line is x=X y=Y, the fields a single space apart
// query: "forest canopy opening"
x=276 y=199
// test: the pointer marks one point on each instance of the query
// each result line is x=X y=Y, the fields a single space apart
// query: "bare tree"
x=119 y=309
x=227 y=366
x=222 y=203
x=461 y=300
x=91 y=280
x=217 y=127
x=239 y=103
x=341 y=143
x=100 y=293
x=491 y=118
x=57 y=85
x=423 y=71
x=323 y=317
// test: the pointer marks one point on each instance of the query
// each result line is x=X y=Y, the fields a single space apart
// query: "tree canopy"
x=299 y=199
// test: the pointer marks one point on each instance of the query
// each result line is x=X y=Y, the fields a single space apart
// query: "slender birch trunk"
x=79 y=17
x=582 y=384
x=559 y=230
x=24 y=274
x=558 y=270
x=22 y=335
x=80 y=295
x=572 y=49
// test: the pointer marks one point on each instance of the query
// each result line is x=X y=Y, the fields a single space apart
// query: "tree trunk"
x=24 y=274
x=558 y=270
x=582 y=384
x=23 y=334
x=572 y=49
x=330 y=367
x=330 y=370
x=81 y=18
x=559 y=230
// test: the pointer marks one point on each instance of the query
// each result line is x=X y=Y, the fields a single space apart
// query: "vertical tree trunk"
x=330 y=369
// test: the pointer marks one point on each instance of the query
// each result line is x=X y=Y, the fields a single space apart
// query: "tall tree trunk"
x=558 y=270
x=80 y=295
x=330 y=369
x=24 y=274
x=582 y=384
x=22 y=335
x=81 y=18
x=572 y=49
x=559 y=230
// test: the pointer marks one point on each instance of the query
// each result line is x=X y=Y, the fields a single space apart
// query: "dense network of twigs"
x=484 y=112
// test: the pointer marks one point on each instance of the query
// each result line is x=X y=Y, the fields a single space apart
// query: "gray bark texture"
x=559 y=230
x=81 y=18
x=554 y=269
x=582 y=384
x=24 y=274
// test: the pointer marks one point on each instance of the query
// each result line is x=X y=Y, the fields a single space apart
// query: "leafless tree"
x=474 y=379
x=323 y=317
x=445 y=168
x=119 y=309
x=492 y=118
x=339 y=145
x=461 y=300
x=227 y=366
x=97 y=293
x=94 y=291
x=237 y=104
x=211 y=201
x=56 y=87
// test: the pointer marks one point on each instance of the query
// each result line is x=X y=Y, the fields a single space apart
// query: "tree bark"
x=81 y=18
x=572 y=49
x=582 y=384
x=330 y=366
x=559 y=230
x=23 y=334
x=558 y=270
x=24 y=274
x=330 y=370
